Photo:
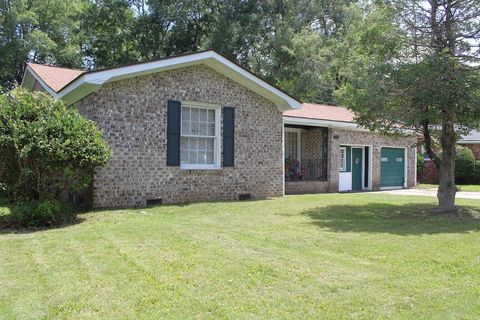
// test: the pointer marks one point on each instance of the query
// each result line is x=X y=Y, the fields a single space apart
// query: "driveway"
x=430 y=193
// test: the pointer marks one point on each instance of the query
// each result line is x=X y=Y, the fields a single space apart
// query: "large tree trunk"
x=446 y=184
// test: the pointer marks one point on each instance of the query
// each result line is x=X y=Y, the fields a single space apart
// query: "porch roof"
x=322 y=112
x=319 y=115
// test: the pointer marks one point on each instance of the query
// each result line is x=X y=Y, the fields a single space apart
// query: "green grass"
x=463 y=187
x=349 y=256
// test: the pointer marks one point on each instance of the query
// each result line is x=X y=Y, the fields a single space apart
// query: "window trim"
x=299 y=141
x=217 y=139
x=343 y=162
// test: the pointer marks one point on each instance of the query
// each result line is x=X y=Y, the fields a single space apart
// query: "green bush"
x=476 y=177
x=40 y=213
x=464 y=165
x=45 y=147
x=420 y=163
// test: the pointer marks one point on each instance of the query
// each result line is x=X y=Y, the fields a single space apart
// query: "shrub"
x=464 y=165
x=420 y=163
x=476 y=179
x=45 y=147
x=40 y=213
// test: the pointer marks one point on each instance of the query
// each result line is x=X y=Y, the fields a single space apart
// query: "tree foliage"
x=298 y=45
x=44 y=31
x=46 y=146
x=415 y=63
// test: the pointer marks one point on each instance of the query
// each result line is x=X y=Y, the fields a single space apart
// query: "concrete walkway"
x=430 y=193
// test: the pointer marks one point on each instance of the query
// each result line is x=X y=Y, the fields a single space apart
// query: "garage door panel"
x=392 y=167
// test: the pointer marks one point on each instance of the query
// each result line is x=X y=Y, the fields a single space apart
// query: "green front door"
x=357 y=167
x=392 y=167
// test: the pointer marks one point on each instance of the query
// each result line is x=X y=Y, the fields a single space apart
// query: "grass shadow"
x=8 y=225
x=407 y=219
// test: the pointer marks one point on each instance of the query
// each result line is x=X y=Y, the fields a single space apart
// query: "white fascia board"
x=212 y=59
x=329 y=124
x=323 y=123
x=468 y=141
x=269 y=92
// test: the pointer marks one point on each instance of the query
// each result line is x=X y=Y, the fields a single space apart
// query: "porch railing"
x=306 y=170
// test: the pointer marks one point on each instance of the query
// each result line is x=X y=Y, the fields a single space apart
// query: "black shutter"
x=228 y=137
x=173 y=132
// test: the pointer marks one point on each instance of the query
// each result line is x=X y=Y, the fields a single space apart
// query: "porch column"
x=333 y=160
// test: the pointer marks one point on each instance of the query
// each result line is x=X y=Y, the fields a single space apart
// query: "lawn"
x=464 y=187
x=349 y=256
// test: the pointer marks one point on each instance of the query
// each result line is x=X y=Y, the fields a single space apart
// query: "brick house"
x=472 y=141
x=198 y=127
x=430 y=171
x=333 y=154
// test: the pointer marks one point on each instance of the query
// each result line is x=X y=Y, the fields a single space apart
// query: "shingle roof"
x=322 y=112
x=56 y=78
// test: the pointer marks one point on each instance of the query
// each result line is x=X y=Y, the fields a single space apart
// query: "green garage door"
x=392 y=167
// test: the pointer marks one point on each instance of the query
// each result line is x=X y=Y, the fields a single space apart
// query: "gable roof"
x=54 y=77
x=62 y=84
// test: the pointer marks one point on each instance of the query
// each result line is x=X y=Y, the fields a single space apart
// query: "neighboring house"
x=472 y=141
x=199 y=127
x=430 y=171
x=336 y=155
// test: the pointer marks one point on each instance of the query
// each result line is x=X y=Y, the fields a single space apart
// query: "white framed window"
x=343 y=159
x=293 y=144
x=200 y=142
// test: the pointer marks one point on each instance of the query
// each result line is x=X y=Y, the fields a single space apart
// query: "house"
x=336 y=155
x=199 y=127
x=430 y=172
x=472 y=141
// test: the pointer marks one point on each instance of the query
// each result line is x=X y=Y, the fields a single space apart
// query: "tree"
x=416 y=68
x=45 y=146
x=38 y=31
x=107 y=34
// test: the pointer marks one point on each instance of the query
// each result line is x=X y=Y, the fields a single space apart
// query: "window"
x=292 y=144
x=343 y=159
x=200 y=136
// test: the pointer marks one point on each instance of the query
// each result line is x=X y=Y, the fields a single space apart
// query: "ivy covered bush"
x=45 y=148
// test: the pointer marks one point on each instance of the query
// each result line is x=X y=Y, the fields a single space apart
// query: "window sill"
x=201 y=168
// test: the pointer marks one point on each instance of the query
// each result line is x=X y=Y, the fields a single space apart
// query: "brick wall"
x=475 y=149
x=312 y=141
x=339 y=137
x=304 y=187
x=430 y=171
x=132 y=115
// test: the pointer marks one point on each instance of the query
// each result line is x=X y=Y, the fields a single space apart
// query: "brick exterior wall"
x=305 y=187
x=132 y=115
x=475 y=147
x=339 y=137
x=430 y=171
x=312 y=141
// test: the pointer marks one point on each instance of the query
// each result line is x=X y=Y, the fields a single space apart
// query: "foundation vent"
x=153 y=202
x=244 y=196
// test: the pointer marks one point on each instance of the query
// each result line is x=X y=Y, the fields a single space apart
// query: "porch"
x=316 y=162
x=326 y=151
x=306 y=160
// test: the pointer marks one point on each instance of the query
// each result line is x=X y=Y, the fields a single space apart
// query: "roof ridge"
x=56 y=67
